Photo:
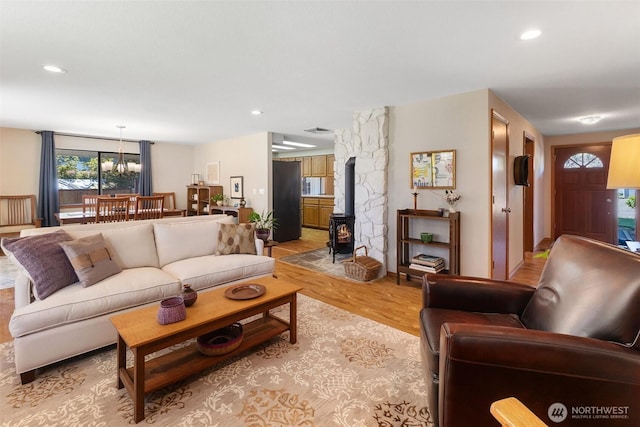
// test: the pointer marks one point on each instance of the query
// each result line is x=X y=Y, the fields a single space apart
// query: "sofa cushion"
x=91 y=259
x=131 y=244
x=188 y=239
x=588 y=289
x=236 y=239
x=43 y=261
x=211 y=270
x=129 y=288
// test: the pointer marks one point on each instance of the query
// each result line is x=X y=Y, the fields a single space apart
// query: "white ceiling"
x=191 y=72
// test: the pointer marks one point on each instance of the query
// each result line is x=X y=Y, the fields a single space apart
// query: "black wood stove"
x=341 y=234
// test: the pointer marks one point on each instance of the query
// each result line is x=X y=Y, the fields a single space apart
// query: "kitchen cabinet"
x=324 y=213
x=316 y=211
x=306 y=166
x=331 y=159
x=319 y=166
x=310 y=215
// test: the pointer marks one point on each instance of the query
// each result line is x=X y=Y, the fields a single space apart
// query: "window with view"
x=79 y=173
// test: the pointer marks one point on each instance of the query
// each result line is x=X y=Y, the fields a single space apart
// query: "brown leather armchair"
x=568 y=349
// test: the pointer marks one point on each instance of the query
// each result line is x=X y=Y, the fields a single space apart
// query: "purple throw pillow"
x=44 y=260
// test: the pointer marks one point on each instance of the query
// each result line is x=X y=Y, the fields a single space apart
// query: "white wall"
x=517 y=127
x=20 y=159
x=247 y=156
x=459 y=122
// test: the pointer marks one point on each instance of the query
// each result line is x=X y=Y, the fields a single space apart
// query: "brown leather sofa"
x=569 y=349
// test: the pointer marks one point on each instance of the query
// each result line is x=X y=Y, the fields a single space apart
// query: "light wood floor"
x=380 y=300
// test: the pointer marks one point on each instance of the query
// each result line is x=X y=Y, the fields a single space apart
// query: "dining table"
x=65 y=218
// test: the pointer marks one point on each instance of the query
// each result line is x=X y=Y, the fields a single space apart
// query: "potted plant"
x=264 y=222
x=218 y=199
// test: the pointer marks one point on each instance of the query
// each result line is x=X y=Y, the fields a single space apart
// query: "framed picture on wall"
x=213 y=173
x=237 y=190
x=433 y=169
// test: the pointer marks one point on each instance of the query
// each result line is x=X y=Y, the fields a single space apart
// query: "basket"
x=362 y=268
x=220 y=341
x=171 y=310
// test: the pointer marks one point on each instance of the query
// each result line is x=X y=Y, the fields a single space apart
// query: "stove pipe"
x=349 y=186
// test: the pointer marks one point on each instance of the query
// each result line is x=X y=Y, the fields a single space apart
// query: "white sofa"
x=157 y=257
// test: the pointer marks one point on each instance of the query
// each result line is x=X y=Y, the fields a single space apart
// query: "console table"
x=447 y=230
x=241 y=213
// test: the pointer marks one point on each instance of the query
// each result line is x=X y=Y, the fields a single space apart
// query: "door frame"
x=554 y=149
x=497 y=116
x=528 y=194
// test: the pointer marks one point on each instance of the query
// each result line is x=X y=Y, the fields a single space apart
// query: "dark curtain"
x=48 y=204
x=145 y=173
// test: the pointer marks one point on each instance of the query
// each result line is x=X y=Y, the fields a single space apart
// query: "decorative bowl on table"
x=171 y=310
x=220 y=341
x=426 y=237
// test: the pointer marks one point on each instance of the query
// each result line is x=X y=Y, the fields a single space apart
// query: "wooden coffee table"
x=140 y=331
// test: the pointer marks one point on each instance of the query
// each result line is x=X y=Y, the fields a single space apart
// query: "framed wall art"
x=213 y=173
x=433 y=169
x=237 y=190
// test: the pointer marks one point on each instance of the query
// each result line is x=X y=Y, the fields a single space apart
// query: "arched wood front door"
x=583 y=205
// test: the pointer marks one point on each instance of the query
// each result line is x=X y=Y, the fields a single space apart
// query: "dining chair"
x=169 y=199
x=149 y=207
x=132 y=197
x=112 y=209
x=89 y=202
x=17 y=213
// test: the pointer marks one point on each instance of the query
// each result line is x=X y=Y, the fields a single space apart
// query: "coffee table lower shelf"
x=179 y=364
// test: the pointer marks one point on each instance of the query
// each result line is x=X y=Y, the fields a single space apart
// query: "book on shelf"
x=426 y=269
x=427 y=260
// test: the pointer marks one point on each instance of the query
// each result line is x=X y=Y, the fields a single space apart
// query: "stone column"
x=368 y=142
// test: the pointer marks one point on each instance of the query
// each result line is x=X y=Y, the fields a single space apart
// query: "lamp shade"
x=624 y=167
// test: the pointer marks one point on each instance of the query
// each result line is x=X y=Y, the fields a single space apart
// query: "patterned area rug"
x=344 y=371
x=8 y=272
x=319 y=260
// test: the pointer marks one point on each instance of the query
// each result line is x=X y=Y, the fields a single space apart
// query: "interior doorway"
x=528 y=149
x=582 y=204
x=500 y=203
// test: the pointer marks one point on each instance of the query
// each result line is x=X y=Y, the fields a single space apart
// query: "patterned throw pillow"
x=236 y=239
x=43 y=260
x=91 y=259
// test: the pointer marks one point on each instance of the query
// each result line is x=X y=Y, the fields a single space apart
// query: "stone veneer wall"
x=368 y=142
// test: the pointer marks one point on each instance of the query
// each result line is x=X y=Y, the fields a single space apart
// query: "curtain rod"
x=91 y=137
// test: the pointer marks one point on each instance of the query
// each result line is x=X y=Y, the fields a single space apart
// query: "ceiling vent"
x=317 y=130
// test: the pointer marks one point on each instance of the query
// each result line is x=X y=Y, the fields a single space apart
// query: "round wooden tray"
x=245 y=291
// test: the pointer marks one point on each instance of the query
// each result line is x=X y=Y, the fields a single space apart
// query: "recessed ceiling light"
x=54 y=69
x=589 y=120
x=298 y=144
x=281 y=147
x=256 y=112
x=530 y=35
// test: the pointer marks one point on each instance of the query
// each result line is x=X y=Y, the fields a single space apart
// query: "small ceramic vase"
x=189 y=295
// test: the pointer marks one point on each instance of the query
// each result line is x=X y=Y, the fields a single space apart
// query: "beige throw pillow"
x=236 y=239
x=90 y=259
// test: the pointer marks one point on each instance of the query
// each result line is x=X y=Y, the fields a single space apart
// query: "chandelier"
x=121 y=167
